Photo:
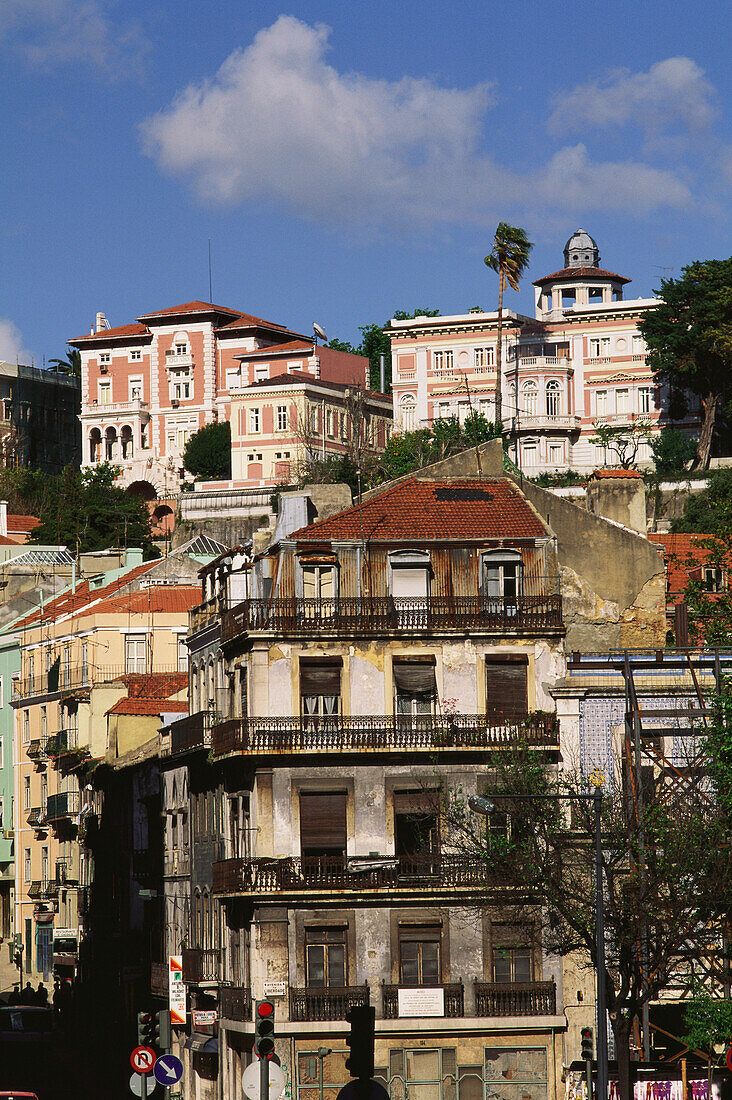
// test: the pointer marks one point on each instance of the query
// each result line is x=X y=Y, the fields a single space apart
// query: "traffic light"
x=145 y=1029
x=264 y=1029
x=162 y=1029
x=360 y=1062
x=587 y=1044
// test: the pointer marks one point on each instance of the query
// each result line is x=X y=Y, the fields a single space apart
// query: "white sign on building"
x=176 y=990
x=421 y=1002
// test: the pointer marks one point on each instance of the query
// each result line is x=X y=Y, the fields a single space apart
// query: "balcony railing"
x=352 y=615
x=36 y=749
x=60 y=806
x=326 y=1004
x=453 y=993
x=515 y=999
x=331 y=875
x=380 y=733
x=235 y=1003
x=529 y=422
x=177 y=864
x=200 y=964
x=111 y=408
x=75 y=677
x=204 y=614
x=36 y=817
x=190 y=733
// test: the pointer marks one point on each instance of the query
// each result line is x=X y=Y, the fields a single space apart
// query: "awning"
x=203 y=1044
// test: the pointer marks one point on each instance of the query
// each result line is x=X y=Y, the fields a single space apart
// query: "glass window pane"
x=337 y=965
x=522 y=964
x=316 y=965
x=430 y=963
x=501 y=966
x=410 y=963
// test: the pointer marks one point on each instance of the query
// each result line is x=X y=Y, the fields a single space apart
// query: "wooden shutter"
x=320 y=678
x=506 y=690
x=416 y=802
x=415 y=677
x=323 y=820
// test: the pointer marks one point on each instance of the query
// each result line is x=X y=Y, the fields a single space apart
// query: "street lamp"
x=485 y=806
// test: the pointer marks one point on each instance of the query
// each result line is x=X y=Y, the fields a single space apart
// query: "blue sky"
x=346 y=159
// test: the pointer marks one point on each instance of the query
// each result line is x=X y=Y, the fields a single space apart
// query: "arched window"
x=126 y=441
x=407 y=412
x=529 y=397
x=211 y=700
x=95 y=445
x=553 y=398
x=194 y=690
x=110 y=444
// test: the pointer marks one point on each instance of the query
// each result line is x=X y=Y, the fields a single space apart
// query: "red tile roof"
x=246 y=320
x=600 y=475
x=169 y=599
x=107 y=334
x=684 y=556
x=278 y=349
x=189 y=307
x=80 y=601
x=460 y=509
x=581 y=273
x=22 y=523
x=151 y=694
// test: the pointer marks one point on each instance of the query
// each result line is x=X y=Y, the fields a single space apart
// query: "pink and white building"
x=148 y=386
x=579 y=362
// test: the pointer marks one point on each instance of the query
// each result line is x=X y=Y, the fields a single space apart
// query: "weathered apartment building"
x=343 y=678
x=578 y=362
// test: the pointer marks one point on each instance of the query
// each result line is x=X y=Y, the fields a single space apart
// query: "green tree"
x=689 y=337
x=667 y=870
x=70 y=365
x=86 y=510
x=509 y=258
x=623 y=443
x=207 y=453
x=672 y=452
x=708 y=1021
x=710 y=511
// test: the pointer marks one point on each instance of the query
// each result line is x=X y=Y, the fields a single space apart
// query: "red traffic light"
x=265 y=1008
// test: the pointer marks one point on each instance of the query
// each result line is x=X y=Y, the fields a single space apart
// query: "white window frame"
x=255 y=421
x=283 y=418
x=135 y=355
x=105 y=358
x=136 y=384
x=646 y=403
x=135 y=661
x=105 y=391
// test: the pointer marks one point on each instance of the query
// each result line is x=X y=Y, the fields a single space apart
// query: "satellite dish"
x=318 y=331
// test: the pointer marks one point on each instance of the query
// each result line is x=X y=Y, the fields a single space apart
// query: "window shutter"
x=323 y=821
x=506 y=685
x=320 y=679
x=415 y=677
x=416 y=802
x=410 y=582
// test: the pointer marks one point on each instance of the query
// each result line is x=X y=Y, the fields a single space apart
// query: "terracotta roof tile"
x=684 y=555
x=246 y=320
x=189 y=307
x=151 y=694
x=278 y=349
x=168 y=599
x=581 y=273
x=107 y=334
x=73 y=603
x=601 y=475
x=22 y=523
x=460 y=509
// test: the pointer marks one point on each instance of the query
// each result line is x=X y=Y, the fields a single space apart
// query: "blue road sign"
x=168 y=1069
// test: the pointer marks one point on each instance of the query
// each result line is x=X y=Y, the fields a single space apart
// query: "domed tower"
x=580 y=283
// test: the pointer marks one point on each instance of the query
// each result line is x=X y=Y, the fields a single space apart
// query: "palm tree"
x=509 y=258
x=70 y=365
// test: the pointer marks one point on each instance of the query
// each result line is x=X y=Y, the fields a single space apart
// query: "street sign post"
x=250 y=1081
x=140 y=1085
x=142 y=1059
x=729 y=1058
x=168 y=1069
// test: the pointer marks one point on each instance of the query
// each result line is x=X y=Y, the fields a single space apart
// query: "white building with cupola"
x=578 y=363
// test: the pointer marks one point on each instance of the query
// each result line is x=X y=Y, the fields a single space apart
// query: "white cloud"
x=11 y=344
x=60 y=32
x=673 y=94
x=277 y=124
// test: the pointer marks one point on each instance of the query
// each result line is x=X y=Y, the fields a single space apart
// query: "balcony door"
x=415 y=688
x=320 y=691
x=417 y=831
x=410 y=586
x=506 y=686
x=323 y=830
x=325 y=958
x=502 y=581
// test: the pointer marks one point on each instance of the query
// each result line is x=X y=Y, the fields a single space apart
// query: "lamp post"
x=485 y=807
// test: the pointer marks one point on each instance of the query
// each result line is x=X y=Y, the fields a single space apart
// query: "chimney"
x=620 y=496
x=101 y=323
x=4 y=518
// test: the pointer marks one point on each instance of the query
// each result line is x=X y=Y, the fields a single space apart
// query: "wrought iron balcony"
x=355 y=615
x=453 y=992
x=515 y=999
x=36 y=817
x=200 y=964
x=207 y=612
x=235 y=1003
x=63 y=805
x=416 y=876
x=326 y=1004
x=36 y=749
x=353 y=733
x=190 y=733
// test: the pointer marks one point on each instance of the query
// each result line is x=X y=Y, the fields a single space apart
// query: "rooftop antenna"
x=210 y=277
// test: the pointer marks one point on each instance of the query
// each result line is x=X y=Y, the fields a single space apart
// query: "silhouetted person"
x=41 y=996
x=14 y=998
x=28 y=996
